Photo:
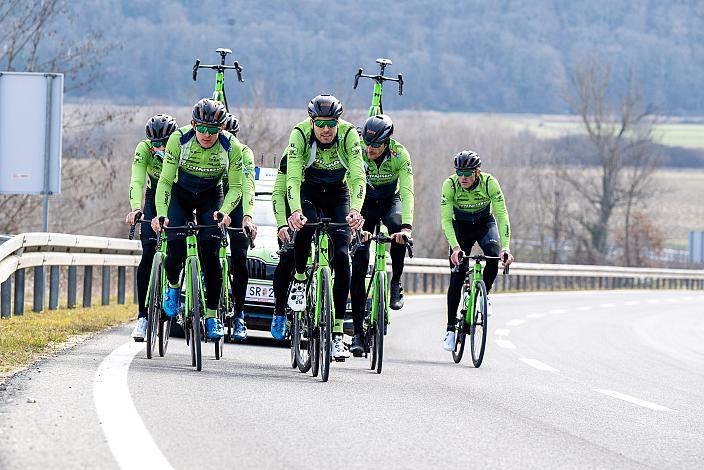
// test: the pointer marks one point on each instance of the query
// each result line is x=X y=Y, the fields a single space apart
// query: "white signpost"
x=31 y=105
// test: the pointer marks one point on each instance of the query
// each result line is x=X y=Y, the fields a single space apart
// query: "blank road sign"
x=31 y=105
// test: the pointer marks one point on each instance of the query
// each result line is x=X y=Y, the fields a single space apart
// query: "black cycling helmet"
x=232 y=124
x=209 y=111
x=377 y=129
x=325 y=106
x=160 y=127
x=467 y=160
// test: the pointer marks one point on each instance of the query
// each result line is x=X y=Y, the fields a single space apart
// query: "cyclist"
x=241 y=217
x=148 y=158
x=324 y=157
x=468 y=199
x=284 y=270
x=389 y=199
x=196 y=158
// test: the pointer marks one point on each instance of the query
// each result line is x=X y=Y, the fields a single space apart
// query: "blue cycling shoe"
x=239 y=332
x=278 y=327
x=213 y=328
x=172 y=301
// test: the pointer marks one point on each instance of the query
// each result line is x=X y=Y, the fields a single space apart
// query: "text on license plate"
x=260 y=293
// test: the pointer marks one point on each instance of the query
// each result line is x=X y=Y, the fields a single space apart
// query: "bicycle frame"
x=160 y=248
x=378 y=282
x=471 y=278
x=219 y=93
x=192 y=252
x=320 y=261
x=376 y=107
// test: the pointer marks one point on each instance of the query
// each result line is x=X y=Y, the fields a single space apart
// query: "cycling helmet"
x=209 y=111
x=325 y=106
x=378 y=129
x=467 y=160
x=160 y=127
x=232 y=124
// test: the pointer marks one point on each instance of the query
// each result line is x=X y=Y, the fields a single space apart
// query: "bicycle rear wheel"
x=154 y=307
x=325 y=324
x=477 y=332
x=460 y=329
x=301 y=340
x=197 y=360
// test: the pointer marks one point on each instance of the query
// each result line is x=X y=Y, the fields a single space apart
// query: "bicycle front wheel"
x=222 y=310
x=154 y=308
x=301 y=340
x=325 y=324
x=196 y=295
x=460 y=328
x=380 y=321
x=477 y=332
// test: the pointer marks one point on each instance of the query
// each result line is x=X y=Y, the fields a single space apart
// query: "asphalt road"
x=569 y=380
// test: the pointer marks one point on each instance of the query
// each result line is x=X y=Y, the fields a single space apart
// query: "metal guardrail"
x=421 y=275
x=57 y=250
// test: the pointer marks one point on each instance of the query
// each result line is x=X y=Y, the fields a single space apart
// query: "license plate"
x=260 y=293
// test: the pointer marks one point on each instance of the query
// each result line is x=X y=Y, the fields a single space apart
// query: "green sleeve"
x=234 y=179
x=168 y=174
x=405 y=187
x=248 y=186
x=295 y=154
x=139 y=172
x=447 y=213
x=278 y=199
x=356 y=176
x=498 y=206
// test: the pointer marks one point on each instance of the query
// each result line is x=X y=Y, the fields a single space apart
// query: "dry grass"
x=25 y=338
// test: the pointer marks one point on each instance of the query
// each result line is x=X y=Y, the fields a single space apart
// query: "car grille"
x=258 y=269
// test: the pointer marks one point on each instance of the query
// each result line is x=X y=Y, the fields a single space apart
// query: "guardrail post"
x=39 y=288
x=121 y=285
x=432 y=284
x=72 y=283
x=87 y=285
x=106 y=286
x=134 y=285
x=19 y=292
x=415 y=282
x=54 y=287
x=6 y=298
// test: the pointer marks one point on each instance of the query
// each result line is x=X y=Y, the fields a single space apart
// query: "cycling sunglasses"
x=331 y=123
x=158 y=143
x=375 y=145
x=203 y=129
x=464 y=172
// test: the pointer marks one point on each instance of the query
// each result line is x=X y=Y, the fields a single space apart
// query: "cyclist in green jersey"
x=325 y=172
x=389 y=199
x=241 y=217
x=285 y=268
x=197 y=157
x=468 y=199
x=146 y=166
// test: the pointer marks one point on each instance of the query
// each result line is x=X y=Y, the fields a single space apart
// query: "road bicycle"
x=219 y=92
x=379 y=79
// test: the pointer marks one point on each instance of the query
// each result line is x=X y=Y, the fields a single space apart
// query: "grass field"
x=675 y=132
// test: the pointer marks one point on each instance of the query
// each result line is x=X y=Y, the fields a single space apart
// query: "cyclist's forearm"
x=407 y=198
x=357 y=178
x=163 y=196
x=139 y=172
x=447 y=214
x=248 y=187
x=278 y=199
x=498 y=205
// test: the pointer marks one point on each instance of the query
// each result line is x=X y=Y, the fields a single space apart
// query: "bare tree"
x=620 y=151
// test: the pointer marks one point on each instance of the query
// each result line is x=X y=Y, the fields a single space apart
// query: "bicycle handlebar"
x=465 y=259
x=380 y=238
x=137 y=218
x=245 y=231
x=380 y=78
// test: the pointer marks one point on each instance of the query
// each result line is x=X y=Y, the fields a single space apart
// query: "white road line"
x=537 y=364
x=535 y=315
x=582 y=309
x=128 y=438
x=558 y=311
x=502 y=332
x=515 y=322
x=607 y=305
x=506 y=344
x=634 y=400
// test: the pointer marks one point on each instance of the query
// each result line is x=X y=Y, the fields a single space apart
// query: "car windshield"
x=263 y=213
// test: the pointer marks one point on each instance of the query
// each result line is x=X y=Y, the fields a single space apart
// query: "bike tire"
x=164 y=333
x=195 y=316
x=154 y=306
x=325 y=325
x=477 y=332
x=460 y=331
x=222 y=309
x=380 y=322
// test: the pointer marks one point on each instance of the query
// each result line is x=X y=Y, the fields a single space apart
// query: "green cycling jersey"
x=197 y=169
x=312 y=162
x=389 y=174
x=247 y=182
x=145 y=164
x=473 y=205
x=278 y=195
